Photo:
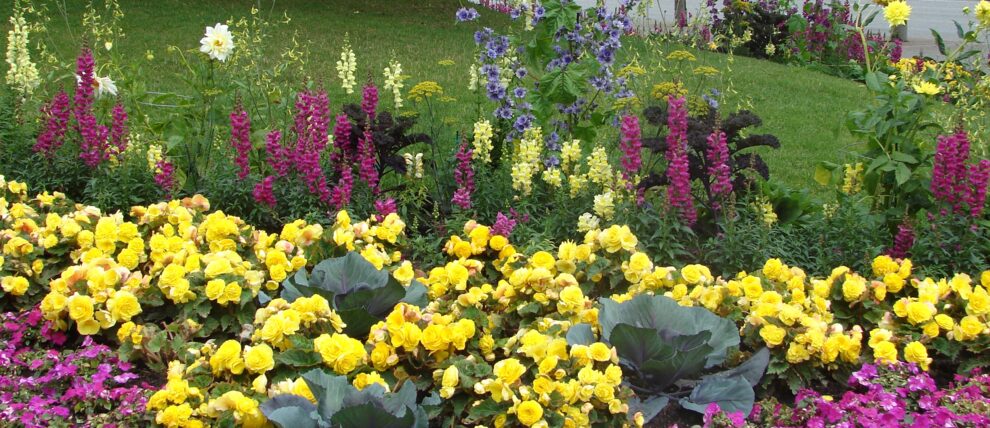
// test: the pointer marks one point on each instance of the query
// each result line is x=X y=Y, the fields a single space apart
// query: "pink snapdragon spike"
x=718 y=167
x=278 y=156
x=956 y=184
x=679 y=189
x=903 y=241
x=240 y=139
x=369 y=101
x=119 y=131
x=979 y=176
x=311 y=126
x=92 y=148
x=385 y=207
x=56 y=121
x=503 y=225
x=264 y=192
x=464 y=176
x=165 y=178
x=631 y=145
x=343 y=151
x=367 y=158
x=342 y=192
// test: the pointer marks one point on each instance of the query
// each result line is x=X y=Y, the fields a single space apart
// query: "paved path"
x=925 y=15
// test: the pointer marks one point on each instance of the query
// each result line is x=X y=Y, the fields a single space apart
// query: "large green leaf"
x=662 y=313
x=580 y=334
x=343 y=275
x=733 y=394
x=370 y=415
x=752 y=370
x=329 y=391
x=290 y=411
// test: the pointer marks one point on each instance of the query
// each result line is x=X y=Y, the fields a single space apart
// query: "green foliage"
x=360 y=293
x=667 y=348
x=340 y=404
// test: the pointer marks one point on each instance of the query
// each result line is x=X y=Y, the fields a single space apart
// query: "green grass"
x=804 y=108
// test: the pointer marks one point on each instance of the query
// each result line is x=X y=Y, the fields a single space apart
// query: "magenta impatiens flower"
x=464 y=176
x=44 y=382
x=679 y=189
x=240 y=139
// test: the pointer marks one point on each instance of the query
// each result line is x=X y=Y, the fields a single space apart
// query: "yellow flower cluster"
x=483 y=141
x=526 y=160
x=425 y=90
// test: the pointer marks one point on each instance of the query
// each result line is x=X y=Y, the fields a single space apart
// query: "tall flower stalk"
x=56 y=118
x=240 y=139
x=679 y=189
x=464 y=176
x=94 y=136
x=631 y=145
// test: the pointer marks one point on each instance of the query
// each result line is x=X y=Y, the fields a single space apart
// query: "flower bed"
x=491 y=336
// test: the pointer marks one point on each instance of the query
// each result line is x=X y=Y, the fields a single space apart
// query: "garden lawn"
x=804 y=108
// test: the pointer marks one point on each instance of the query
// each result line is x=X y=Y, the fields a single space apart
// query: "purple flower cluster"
x=955 y=183
x=466 y=14
x=597 y=34
x=165 y=177
x=278 y=156
x=503 y=225
x=341 y=158
x=464 y=176
x=264 y=192
x=880 y=396
x=56 y=119
x=385 y=207
x=631 y=146
x=679 y=190
x=903 y=241
x=42 y=384
x=311 y=127
x=718 y=166
x=92 y=148
x=119 y=132
x=367 y=158
x=240 y=138
x=369 y=101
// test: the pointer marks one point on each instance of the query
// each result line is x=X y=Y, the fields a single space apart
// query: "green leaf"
x=487 y=408
x=370 y=415
x=902 y=174
x=638 y=344
x=157 y=342
x=903 y=157
x=663 y=313
x=752 y=370
x=649 y=408
x=939 y=42
x=290 y=411
x=299 y=357
x=733 y=394
x=329 y=391
x=823 y=172
x=580 y=334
